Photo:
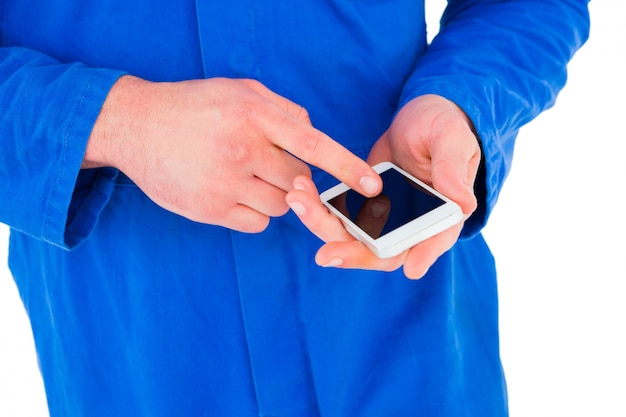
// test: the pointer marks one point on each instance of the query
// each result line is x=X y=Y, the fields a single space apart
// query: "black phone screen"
x=400 y=201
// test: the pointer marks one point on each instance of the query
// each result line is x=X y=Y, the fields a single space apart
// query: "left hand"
x=431 y=138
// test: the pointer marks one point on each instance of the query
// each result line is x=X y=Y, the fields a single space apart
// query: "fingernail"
x=298 y=208
x=369 y=185
x=334 y=261
x=299 y=186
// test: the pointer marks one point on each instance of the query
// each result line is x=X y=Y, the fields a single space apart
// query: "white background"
x=557 y=233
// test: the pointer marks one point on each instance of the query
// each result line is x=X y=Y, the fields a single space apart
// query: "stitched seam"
x=302 y=338
x=64 y=155
x=244 y=324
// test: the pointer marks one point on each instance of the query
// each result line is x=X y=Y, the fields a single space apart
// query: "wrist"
x=106 y=144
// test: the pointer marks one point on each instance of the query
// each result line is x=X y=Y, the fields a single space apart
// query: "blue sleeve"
x=47 y=111
x=503 y=62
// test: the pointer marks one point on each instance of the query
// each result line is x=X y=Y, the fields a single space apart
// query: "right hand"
x=217 y=151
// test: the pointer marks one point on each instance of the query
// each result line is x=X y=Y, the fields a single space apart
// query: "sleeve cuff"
x=77 y=197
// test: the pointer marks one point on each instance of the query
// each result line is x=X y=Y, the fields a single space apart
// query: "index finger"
x=290 y=129
x=316 y=148
x=292 y=133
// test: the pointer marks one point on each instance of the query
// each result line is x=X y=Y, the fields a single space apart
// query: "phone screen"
x=400 y=202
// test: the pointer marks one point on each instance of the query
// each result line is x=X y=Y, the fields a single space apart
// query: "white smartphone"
x=406 y=212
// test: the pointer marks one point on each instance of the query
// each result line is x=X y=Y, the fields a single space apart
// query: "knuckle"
x=251 y=83
x=236 y=151
x=302 y=113
x=310 y=144
x=249 y=112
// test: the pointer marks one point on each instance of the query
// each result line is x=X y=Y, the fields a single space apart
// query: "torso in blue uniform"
x=139 y=312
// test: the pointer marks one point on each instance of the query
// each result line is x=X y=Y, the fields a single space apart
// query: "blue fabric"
x=139 y=312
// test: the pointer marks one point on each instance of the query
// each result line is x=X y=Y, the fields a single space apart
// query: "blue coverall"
x=140 y=312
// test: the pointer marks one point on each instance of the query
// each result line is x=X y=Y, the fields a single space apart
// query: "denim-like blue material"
x=139 y=312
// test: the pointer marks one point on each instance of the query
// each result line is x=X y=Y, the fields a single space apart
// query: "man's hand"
x=430 y=138
x=217 y=151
